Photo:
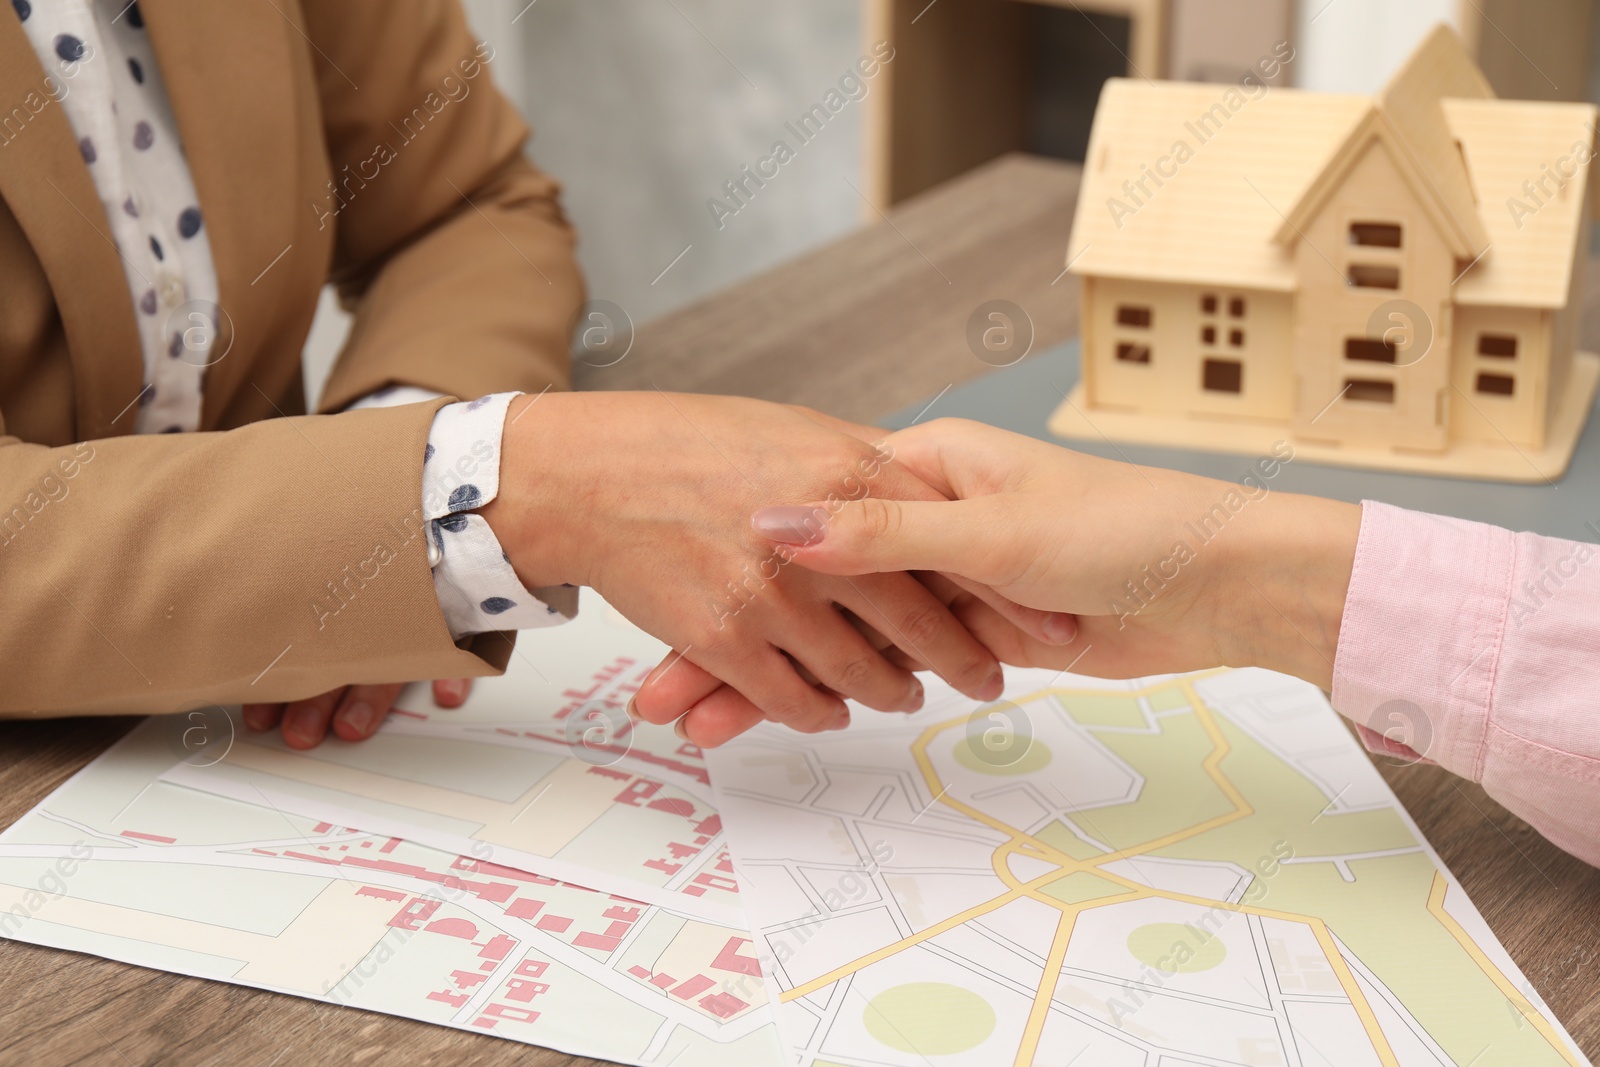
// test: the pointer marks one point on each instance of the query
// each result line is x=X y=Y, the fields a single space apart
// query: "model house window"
x=1208 y=335
x=1236 y=338
x=1223 y=376
x=1375 y=234
x=1208 y=304
x=1236 y=307
x=1371 y=390
x=1369 y=349
x=1374 y=276
x=1497 y=384
x=1132 y=353
x=1133 y=315
x=1497 y=345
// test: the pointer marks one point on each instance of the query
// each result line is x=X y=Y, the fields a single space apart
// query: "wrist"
x=534 y=514
x=1284 y=585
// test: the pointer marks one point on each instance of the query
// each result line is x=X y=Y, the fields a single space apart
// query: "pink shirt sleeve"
x=1479 y=649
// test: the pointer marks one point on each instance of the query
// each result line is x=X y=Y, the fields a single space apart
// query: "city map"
x=1196 y=870
x=1191 y=870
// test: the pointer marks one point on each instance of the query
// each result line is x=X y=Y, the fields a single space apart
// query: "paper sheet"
x=542 y=767
x=1199 y=869
x=121 y=864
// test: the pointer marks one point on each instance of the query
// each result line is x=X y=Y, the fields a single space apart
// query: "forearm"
x=502 y=265
x=452 y=250
x=267 y=563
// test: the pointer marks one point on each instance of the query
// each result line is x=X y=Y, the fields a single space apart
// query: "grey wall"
x=646 y=107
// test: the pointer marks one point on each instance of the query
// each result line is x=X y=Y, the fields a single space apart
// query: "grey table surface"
x=1022 y=397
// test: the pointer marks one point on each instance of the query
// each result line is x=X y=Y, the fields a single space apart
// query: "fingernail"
x=914 y=702
x=255 y=716
x=791 y=525
x=358 y=716
x=681 y=728
x=842 y=721
x=1061 y=628
x=453 y=689
x=993 y=686
x=633 y=709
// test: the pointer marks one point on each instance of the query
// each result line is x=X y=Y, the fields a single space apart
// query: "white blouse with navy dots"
x=119 y=111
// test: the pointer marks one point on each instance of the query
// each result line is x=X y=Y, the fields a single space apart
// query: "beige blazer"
x=275 y=554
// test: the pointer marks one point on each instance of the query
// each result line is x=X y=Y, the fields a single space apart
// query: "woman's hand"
x=1166 y=571
x=355 y=712
x=646 y=497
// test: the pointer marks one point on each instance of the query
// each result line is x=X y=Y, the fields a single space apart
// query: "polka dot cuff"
x=478 y=590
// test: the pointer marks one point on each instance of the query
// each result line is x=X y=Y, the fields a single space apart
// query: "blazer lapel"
x=45 y=183
x=243 y=92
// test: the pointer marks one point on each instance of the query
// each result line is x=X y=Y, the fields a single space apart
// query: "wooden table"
x=861 y=328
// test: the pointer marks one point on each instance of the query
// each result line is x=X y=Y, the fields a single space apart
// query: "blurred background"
x=644 y=109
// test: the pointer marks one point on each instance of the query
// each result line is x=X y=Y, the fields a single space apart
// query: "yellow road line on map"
x=919 y=752
x=1026 y=844
x=1047 y=987
x=1324 y=935
x=1436 y=894
x=917 y=938
x=1220 y=748
x=1358 y=999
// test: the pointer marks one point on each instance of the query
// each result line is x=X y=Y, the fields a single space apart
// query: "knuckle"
x=972 y=671
x=713 y=641
x=923 y=624
x=789 y=711
x=852 y=673
x=879 y=521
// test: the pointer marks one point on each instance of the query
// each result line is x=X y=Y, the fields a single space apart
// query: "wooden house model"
x=1386 y=281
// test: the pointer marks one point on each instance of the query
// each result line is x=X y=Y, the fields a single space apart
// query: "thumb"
x=874 y=535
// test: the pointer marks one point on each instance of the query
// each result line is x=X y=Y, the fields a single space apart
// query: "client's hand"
x=1166 y=571
x=646 y=497
x=355 y=711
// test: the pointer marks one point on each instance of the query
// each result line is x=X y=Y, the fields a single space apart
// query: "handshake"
x=793 y=560
x=648 y=498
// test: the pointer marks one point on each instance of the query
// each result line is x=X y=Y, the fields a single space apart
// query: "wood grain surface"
x=861 y=328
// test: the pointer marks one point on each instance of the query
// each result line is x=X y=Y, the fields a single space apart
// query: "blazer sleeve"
x=451 y=250
x=163 y=573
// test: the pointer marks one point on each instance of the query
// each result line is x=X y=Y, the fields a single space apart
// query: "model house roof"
x=1210 y=184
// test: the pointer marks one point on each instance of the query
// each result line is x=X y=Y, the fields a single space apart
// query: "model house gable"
x=1377 y=132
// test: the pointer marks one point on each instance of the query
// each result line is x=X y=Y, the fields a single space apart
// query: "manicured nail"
x=791 y=525
x=633 y=709
x=359 y=716
x=681 y=728
x=993 y=686
x=914 y=702
x=1061 y=628
x=257 y=717
x=454 y=689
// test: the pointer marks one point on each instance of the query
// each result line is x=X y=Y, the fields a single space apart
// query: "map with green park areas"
x=1199 y=869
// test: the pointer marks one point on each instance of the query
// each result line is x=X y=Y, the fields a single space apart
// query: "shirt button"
x=171 y=289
